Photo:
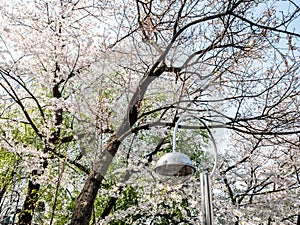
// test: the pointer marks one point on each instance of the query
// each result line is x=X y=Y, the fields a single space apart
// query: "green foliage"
x=8 y=161
x=63 y=207
x=129 y=198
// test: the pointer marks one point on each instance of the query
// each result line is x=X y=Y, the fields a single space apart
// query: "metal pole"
x=207 y=213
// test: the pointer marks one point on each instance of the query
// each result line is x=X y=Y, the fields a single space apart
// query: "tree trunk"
x=29 y=205
x=85 y=202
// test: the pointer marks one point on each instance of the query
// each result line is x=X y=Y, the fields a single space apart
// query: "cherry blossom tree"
x=41 y=52
x=91 y=90
x=247 y=56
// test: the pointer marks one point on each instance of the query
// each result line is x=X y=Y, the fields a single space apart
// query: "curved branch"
x=14 y=96
x=22 y=84
x=263 y=26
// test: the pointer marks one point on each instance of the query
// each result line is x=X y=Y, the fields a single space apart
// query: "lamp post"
x=180 y=165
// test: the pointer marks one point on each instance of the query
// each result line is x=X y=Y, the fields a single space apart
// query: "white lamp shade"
x=174 y=164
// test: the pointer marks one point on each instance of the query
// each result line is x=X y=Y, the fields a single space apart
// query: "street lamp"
x=180 y=165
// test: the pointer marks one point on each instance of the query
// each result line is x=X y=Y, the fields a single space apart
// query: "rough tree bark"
x=33 y=187
x=85 y=202
x=31 y=199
